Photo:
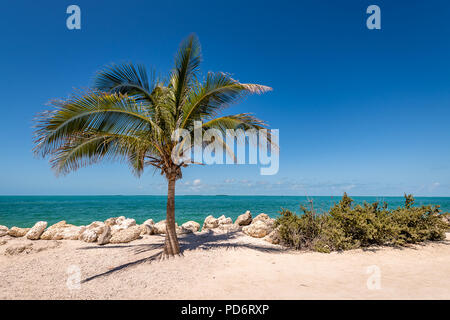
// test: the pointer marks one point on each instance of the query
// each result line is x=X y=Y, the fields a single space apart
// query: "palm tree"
x=130 y=116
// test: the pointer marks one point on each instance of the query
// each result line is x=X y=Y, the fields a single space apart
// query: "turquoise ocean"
x=24 y=211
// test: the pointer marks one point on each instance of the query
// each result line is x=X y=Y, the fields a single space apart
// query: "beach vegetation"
x=348 y=226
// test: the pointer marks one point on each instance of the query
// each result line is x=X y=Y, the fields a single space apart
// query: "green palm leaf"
x=219 y=91
x=92 y=112
x=86 y=149
x=125 y=79
x=187 y=63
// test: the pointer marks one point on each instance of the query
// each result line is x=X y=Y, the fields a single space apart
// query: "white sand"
x=216 y=266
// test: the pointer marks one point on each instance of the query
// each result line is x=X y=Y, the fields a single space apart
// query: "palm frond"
x=219 y=91
x=244 y=121
x=86 y=149
x=92 y=112
x=126 y=79
x=187 y=63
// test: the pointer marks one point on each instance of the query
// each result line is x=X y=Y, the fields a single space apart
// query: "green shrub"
x=417 y=224
x=347 y=226
x=446 y=219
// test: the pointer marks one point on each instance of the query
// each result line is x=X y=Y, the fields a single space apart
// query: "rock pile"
x=124 y=230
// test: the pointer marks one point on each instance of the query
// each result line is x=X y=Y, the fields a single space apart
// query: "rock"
x=244 y=219
x=111 y=221
x=264 y=218
x=105 y=237
x=273 y=237
x=128 y=223
x=91 y=232
x=191 y=225
x=72 y=232
x=89 y=235
x=229 y=227
x=18 y=232
x=122 y=224
x=3 y=231
x=160 y=227
x=54 y=232
x=147 y=227
x=261 y=226
x=257 y=229
x=126 y=235
x=223 y=220
x=183 y=230
x=210 y=222
x=226 y=224
x=149 y=222
x=63 y=230
x=97 y=227
x=120 y=219
x=36 y=231
x=57 y=225
x=18 y=249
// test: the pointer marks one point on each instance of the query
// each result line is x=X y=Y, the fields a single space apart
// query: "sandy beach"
x=218 y=266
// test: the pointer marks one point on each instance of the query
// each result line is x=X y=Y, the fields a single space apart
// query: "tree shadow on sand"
x=193 y=241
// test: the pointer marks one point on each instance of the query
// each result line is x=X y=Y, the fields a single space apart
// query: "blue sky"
x=362 y=111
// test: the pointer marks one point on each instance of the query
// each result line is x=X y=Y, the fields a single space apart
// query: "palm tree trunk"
x=171 y=246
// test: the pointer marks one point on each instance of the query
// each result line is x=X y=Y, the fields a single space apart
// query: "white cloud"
x=196 y=182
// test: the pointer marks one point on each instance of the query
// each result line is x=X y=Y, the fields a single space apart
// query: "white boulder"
x=55 y=231
x=183 y=230
x=229 y=227
x=244 y=219
x=264 y=218
x=210 y=222
x=105 y=237
x=89 y=235
x=191 y=225
x=126 y=235
x=111 y=221
x=97 y=227
x=122 y=224
x=147 y=227
x=224 y=220
x=257 y=229
x=3 y=231
x=159 y=227
x=149 y=222
x=36 y=231
x=72 y=232
x=18 y=232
